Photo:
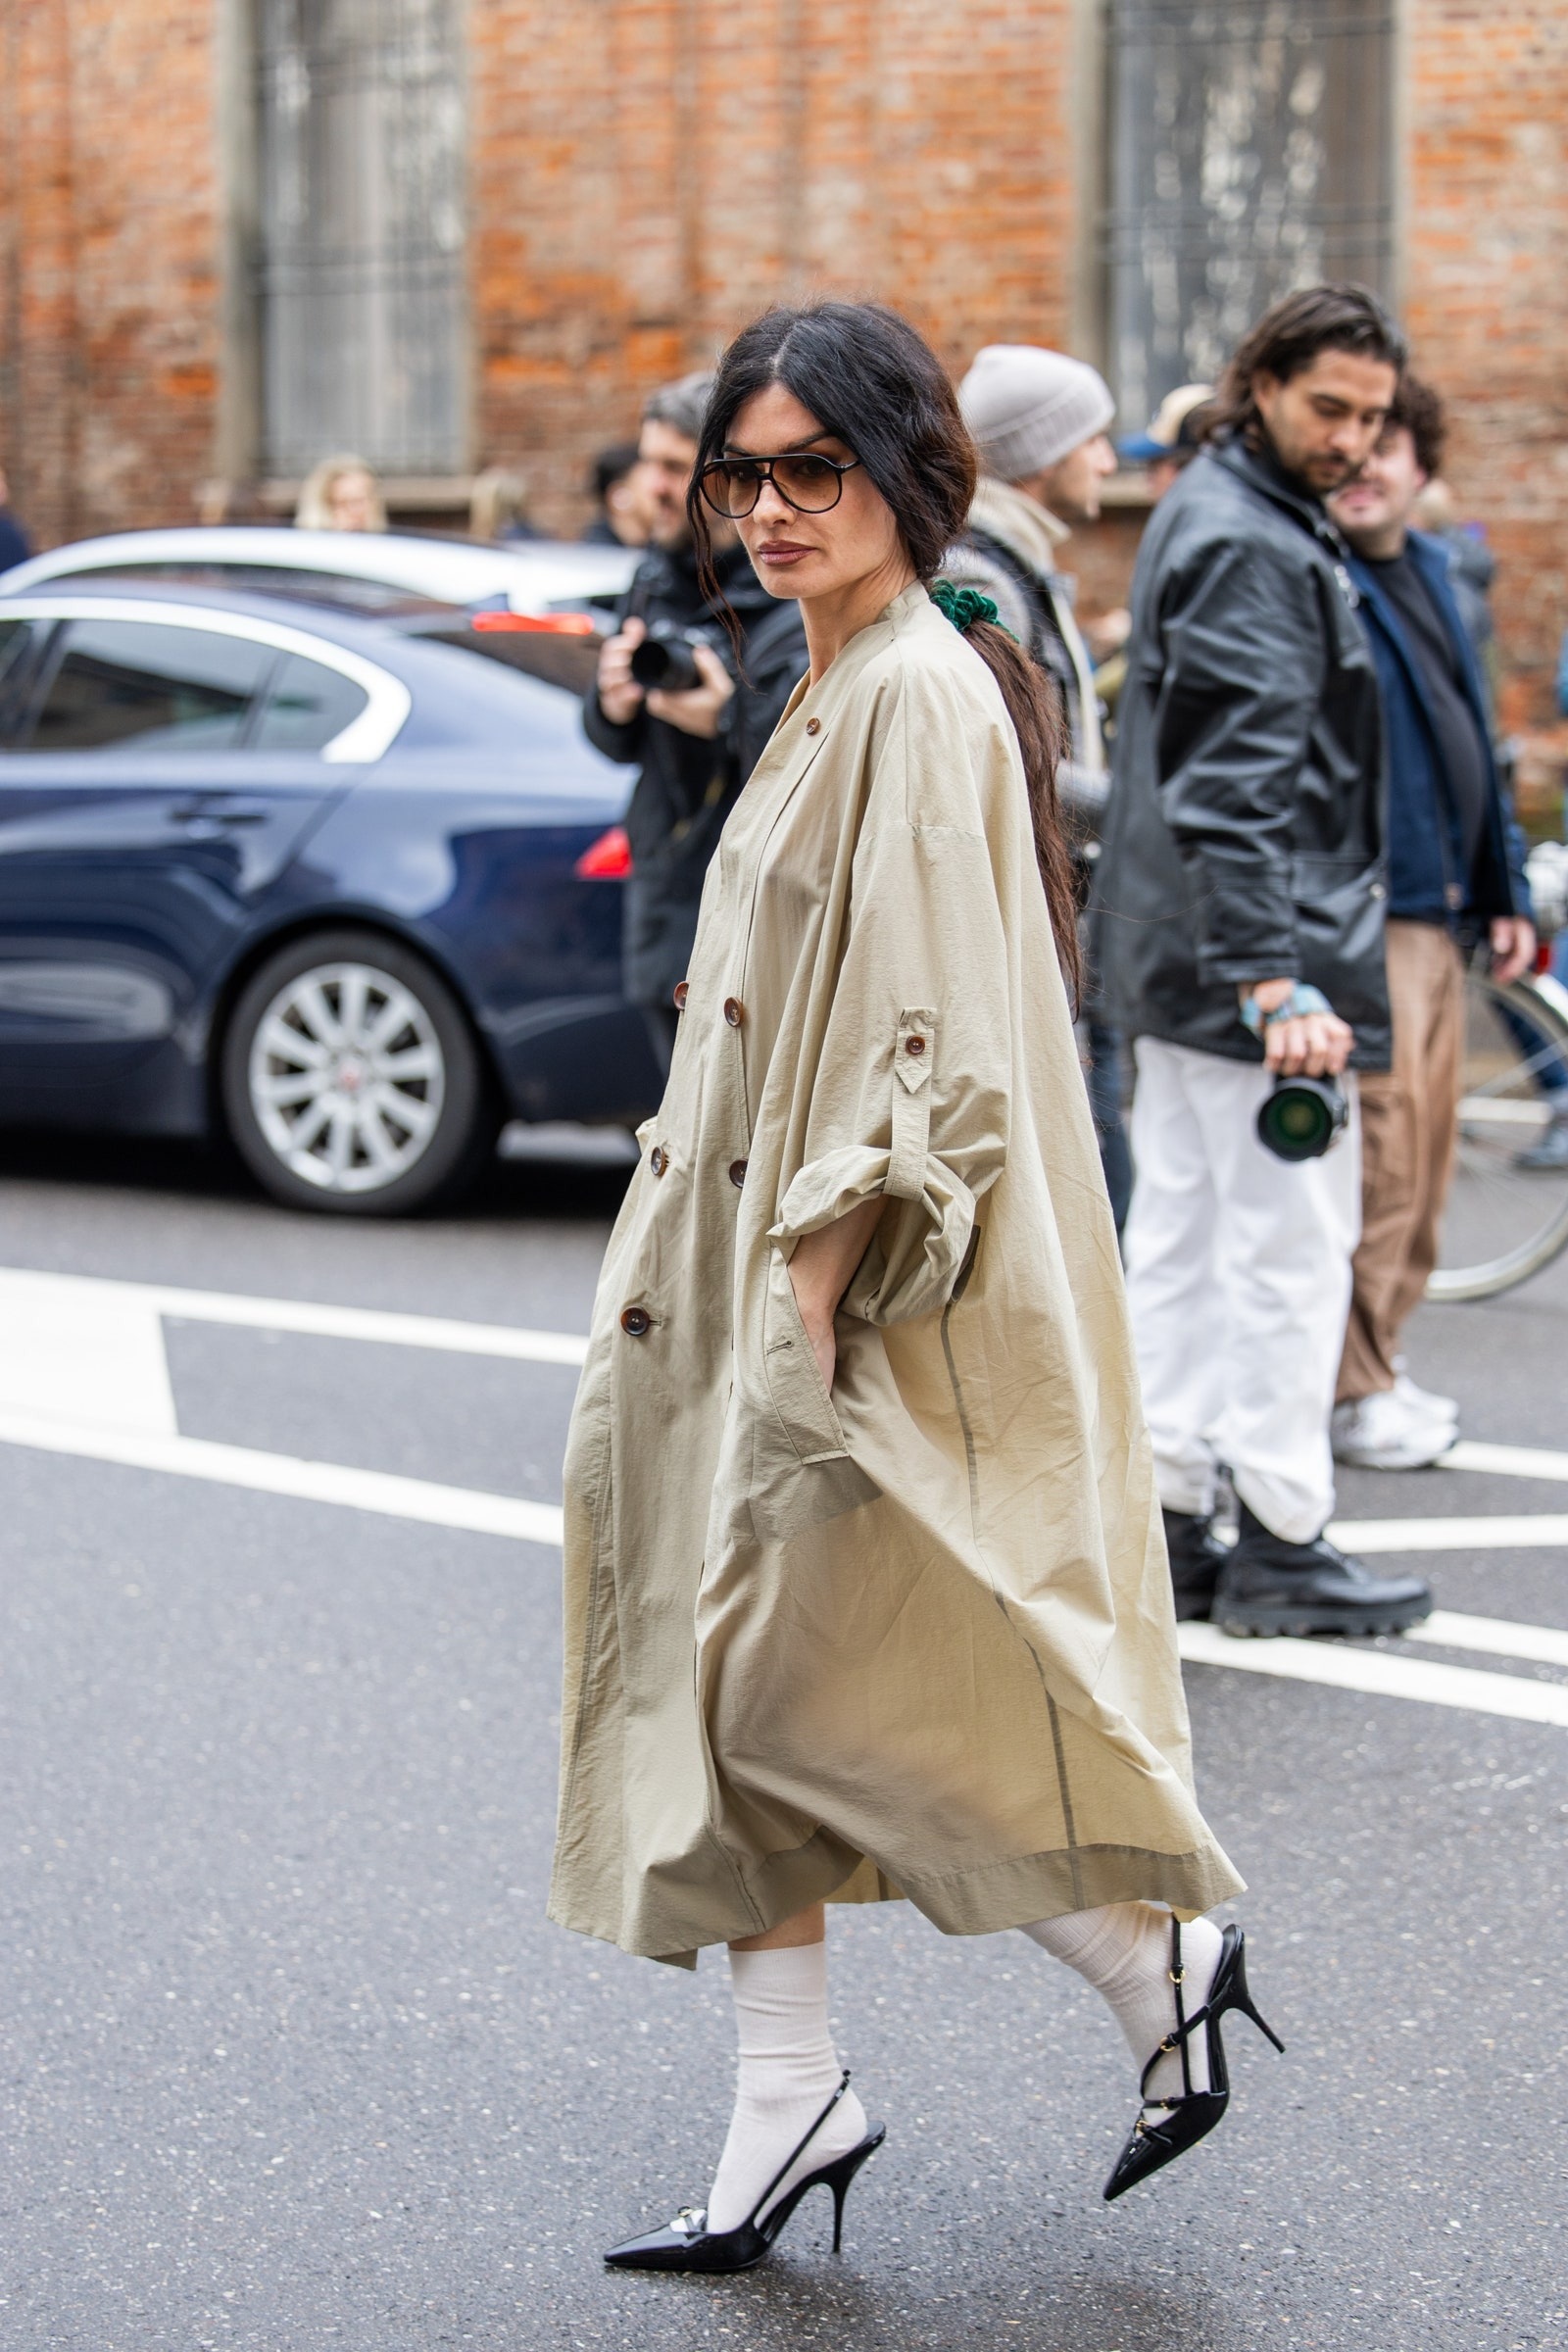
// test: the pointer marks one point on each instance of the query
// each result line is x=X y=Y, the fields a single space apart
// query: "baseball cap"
x=1165 y=433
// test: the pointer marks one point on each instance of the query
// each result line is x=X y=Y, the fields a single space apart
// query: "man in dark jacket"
x=696 y=747
x=1455 y=870
x=1239 y=930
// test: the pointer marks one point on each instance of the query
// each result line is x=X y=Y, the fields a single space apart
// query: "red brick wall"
x=646 y=174
x=107 y=308
x=1486 y=298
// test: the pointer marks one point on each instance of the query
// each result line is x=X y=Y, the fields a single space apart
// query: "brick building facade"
x=600 y=190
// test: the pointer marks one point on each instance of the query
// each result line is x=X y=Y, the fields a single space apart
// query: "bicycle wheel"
x=1503 y=1222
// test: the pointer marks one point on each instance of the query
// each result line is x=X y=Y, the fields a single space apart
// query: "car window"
x=13 y=643
x=141 y=682
x=14 y=638
x=307 y=704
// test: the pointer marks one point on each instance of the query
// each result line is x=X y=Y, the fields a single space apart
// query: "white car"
x=375 y=571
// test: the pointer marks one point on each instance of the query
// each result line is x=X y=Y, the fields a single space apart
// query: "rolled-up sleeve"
x=910 y=1087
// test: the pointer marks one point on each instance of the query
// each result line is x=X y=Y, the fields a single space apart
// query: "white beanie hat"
x=1027 y=407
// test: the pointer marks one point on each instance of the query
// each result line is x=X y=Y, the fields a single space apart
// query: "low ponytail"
x=1040 y=723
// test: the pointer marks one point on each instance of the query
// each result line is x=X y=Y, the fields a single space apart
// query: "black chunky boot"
x=1197 y=1557
x=1270 y=1587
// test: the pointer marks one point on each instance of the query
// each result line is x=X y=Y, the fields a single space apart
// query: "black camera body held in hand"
x=667 y=657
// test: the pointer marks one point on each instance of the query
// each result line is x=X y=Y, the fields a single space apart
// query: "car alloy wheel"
x=352 y=1079
x=347 y=1078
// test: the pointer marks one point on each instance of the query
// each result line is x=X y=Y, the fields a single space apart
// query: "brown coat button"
x=656 y=1160
x=636 y=1320
x=813 y=726
x=681 y=986
x=914 y=1045
x=737 y=1173
x=734 y=1012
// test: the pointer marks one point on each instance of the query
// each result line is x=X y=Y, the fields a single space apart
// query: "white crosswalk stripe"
x=83 y=1372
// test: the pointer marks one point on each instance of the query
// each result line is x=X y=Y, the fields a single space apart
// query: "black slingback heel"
x=1191 y=2118
x=688 y=2245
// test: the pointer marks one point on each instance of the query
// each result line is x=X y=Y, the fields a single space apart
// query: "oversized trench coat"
x=913 y=1636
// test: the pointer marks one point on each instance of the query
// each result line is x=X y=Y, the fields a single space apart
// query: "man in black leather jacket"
x=697 y=748
x=1238 y=926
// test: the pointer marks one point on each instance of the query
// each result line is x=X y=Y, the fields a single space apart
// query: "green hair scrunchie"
x=964 y=606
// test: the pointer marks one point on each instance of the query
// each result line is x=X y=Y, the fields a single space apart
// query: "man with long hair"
x=1240 y=928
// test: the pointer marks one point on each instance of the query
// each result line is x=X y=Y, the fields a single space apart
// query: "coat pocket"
x=801 y=1472
x=802 y=1402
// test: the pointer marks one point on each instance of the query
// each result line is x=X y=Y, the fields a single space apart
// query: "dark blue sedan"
x=350 y=894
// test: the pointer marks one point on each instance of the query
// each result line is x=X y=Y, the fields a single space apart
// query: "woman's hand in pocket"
x=825 y=1346
x=820 y=1271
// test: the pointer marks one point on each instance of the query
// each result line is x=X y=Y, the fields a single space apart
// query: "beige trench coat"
x=915 y=1636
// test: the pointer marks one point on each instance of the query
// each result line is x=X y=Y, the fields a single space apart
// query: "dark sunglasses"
x=805 y=482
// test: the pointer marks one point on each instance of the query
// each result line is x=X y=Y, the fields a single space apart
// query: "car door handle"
x=200 y=812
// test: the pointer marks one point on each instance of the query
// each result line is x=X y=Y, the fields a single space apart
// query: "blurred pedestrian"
x=497 y=508
x=15 y=544
x=1240 y=915
x=1472 y=571
x=1455 y=868
x=1168 y=446
x=864 y=1589
x=340 y=494
x=1037 y=418
x=695 y=745
x=623 y=520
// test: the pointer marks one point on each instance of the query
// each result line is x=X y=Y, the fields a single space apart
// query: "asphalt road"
x=289 y=2056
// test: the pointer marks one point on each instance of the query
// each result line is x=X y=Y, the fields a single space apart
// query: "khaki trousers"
x=1409 y=1122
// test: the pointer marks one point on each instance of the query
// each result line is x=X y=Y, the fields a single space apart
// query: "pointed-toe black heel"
x=1167 y=2128
x=688 y=2245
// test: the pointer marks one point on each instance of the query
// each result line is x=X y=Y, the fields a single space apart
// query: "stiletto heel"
x=688 y=2245
x=1187 y=2120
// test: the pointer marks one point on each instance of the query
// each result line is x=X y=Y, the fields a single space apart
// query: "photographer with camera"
x=670 y=696
x=1240 y=920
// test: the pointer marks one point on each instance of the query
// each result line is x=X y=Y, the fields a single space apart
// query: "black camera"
x=666 y=657
x=1302 y=1116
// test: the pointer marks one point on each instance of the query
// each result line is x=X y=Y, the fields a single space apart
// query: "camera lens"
x=1300 y=1117
x=664 y=659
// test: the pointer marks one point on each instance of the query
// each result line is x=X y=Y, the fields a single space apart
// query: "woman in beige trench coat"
x=866 y=1594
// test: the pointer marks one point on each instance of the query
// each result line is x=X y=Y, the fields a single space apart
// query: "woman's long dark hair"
x=868 y=376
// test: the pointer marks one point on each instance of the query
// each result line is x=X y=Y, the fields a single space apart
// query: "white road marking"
x=1347 y=1667
x=73 y=1353
x=1498 y=1637
x=25 y=1291
x=1540 y=1530
x=83 y=1372
x=1506 y=1461
x=380 y=1491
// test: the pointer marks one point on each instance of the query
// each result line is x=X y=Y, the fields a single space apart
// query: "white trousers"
x=1238 y=1284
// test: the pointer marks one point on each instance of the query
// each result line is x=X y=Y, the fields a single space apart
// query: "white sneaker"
x=1385 y=1431
x=1425 y=1401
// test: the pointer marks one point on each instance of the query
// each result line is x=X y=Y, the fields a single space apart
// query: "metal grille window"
x=362 y=265
x=1250 y=152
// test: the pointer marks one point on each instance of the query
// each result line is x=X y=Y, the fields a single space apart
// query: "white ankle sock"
x=789 y=2071
x=1124 y=1951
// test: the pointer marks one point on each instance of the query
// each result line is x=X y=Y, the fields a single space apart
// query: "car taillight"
x=532 y=625
x=606 y=860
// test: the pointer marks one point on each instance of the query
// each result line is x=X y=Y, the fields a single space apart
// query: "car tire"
x=351 y=1080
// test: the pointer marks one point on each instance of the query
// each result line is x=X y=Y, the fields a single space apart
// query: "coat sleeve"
x=909 y=1092
x=1243 y=661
